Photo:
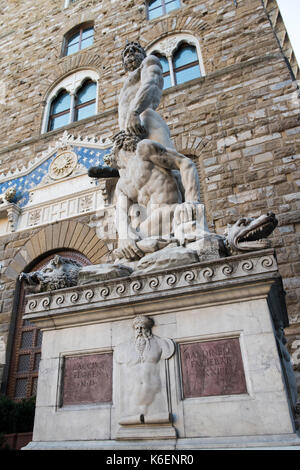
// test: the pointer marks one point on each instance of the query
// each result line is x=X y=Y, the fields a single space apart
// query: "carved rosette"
x=63 y=165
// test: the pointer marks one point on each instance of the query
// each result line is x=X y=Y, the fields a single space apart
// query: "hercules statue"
x=158 y=187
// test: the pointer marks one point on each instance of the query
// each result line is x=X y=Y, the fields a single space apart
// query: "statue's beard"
x=132 y=64
x=142 y=342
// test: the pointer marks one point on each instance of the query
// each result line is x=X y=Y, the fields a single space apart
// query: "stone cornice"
x=63 y=142
x=231 y=279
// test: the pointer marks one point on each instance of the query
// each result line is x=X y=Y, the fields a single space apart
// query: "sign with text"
x=212 y=368
x=87 y=379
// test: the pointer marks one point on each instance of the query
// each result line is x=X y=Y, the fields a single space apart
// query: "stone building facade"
x=239 y=121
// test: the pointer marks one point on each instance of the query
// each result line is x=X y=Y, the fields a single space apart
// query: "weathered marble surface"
x=197 y=304
x=158 y=192
x=60 y=272
x=197 y=277
x=142 y=385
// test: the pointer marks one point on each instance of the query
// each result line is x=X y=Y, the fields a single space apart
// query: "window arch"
x=85 y=100
x=186 y=64
x=60 y=111
x=180 y=57
x=26 y=351
x=73 y=99
x=157 y=8
x=78 y=38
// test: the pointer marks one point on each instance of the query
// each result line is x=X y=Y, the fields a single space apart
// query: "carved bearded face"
x=142 y=326
x=133 y=56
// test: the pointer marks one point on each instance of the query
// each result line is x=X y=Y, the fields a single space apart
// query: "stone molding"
x=63 y=142
x=277 y=24
x=168 y=45
x=84 y=202
x=71 y=64
x=172 y=25
x=236 y=272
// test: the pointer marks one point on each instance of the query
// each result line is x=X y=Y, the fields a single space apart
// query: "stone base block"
x=144 y=431
x=215 y=361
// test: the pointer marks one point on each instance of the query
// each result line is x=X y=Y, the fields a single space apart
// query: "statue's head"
x=142 y=326
x=132 y=56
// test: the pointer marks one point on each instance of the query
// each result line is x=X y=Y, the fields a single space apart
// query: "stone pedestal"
x=223 y=385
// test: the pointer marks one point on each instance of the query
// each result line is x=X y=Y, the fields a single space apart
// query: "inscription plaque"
x=212 y=368
x=87 y=379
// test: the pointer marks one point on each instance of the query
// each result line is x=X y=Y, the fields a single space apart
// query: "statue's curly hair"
x=136 y=45
x=142 y=319
x=126 y=141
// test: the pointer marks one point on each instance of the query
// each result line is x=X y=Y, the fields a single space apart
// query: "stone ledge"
x=271 y=442
x=232 y=279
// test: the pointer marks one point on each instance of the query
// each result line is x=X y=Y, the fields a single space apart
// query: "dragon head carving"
x=249 y=234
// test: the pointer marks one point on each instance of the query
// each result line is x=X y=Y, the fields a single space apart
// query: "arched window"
x=60 y=111
x=73 y=99
x=85 y=105
x=156 y=8
x=78 y=39
x=186 y=64
x=180 y=59
x=27 y=342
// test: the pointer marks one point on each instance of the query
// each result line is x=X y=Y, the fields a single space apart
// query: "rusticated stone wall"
x=240 y=122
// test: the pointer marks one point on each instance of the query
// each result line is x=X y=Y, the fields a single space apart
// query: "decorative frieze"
x=136 y=287
x=66 y=207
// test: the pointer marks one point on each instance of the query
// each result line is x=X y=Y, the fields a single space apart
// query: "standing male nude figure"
x=153 y=175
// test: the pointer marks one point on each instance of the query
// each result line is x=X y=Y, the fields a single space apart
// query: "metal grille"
x=27 y=338
x=24 y=363
x=21 y=388
x=26 y=355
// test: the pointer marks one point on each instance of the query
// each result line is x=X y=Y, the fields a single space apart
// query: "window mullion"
x=172 y=73
x=72 y=108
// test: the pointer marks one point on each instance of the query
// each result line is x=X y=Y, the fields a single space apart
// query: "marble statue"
x=141 y=362
x=249 y=234
x=8 y=196
x=151 y=203
x=59 y=273
x=160 y=220
x=141 y=95
x=158 y=191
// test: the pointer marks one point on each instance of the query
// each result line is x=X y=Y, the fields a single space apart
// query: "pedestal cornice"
x=218 y=282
